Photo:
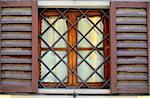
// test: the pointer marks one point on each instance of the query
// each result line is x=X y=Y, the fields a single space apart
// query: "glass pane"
x=50 y=59
x=84 y=70
x=51 y=36
x=94 y=36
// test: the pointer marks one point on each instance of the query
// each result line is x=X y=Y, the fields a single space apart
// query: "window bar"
x=95 y=71
x=95 y=48
x=106 y=83
x=92 y=45
x=66 y=42
x=84 y=36
x=57 y=33
x=105 y=13
x=92 y=22
x=59 y=58
x=76 y=75
x=73 y=71
x=53 y=74
x=40 y=82
x=53 y=22
x=89 y=54
x=53 y=51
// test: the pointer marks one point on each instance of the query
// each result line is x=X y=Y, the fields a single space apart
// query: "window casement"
x=69 y=48
x=74 y=48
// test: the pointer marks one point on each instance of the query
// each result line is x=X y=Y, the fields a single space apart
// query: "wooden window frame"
x=72 y=57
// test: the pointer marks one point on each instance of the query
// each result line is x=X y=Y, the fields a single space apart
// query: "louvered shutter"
x=130 y=47
x=18 y=48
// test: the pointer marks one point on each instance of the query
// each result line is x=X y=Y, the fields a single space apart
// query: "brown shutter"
x=18 y=63
x=130 y=47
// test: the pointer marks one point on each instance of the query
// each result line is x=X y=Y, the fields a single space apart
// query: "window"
x=74 y=48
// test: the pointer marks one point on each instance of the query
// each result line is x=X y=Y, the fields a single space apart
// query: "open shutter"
x=18 y=37
x=130 y=47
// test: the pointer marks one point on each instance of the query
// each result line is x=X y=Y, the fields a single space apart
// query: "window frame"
x=72 y=16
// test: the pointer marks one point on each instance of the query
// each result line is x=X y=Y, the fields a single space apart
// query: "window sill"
x=73 y=91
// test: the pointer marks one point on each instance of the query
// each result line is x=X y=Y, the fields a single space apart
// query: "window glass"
x=50 y=59
x=53 y=33
x=94 y=60
x=94 y=36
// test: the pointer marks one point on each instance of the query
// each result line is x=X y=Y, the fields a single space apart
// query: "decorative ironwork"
x=61 y=82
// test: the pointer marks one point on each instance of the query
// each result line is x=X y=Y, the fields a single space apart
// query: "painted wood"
x=132 y=52
x=148 y=31
x=131 y=36
x=16 y=11
x=113 y=43
x=131 y=20
x=16 y=76
x=16 y=27
x=131 y=28
x=16 y=67
x=16 y=43
x=16 y=35
x=15 y=60
x=35 y=44
x=132 y=77
x=132 y=44
x=16 y=19
x=133 y=60
x=130 y=68
x=15 y=52
x=130 y=12
x=132 y=47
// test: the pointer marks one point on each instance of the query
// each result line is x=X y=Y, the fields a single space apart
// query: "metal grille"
x=83 y=83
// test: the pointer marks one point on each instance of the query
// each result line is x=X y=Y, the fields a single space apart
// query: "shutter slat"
x=16 y=20
x=16 y=88
x=132 y=90
x=23 y=20
x=16 y=28
x=15 y=67
x=131 y=53
x=137 y=44
x=16 y=44
x=131 y=69
x=15 y=60
x=130 y=12
x=136 y=60
x=132 y=77
x=131 y=28
x=15 y=35
x=130 y=20
x=18 y=84
x=16 y=11
x=131 y=36
x=11 y=76
x=15 y=52
x=132 y=84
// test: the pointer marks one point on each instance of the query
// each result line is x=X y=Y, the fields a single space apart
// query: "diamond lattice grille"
x=74 y=48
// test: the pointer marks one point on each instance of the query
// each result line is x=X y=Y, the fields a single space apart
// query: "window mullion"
x=72 y=39
x=70 y=55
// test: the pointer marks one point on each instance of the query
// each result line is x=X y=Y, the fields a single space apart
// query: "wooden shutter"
x=130 y=47
x=18 y=38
